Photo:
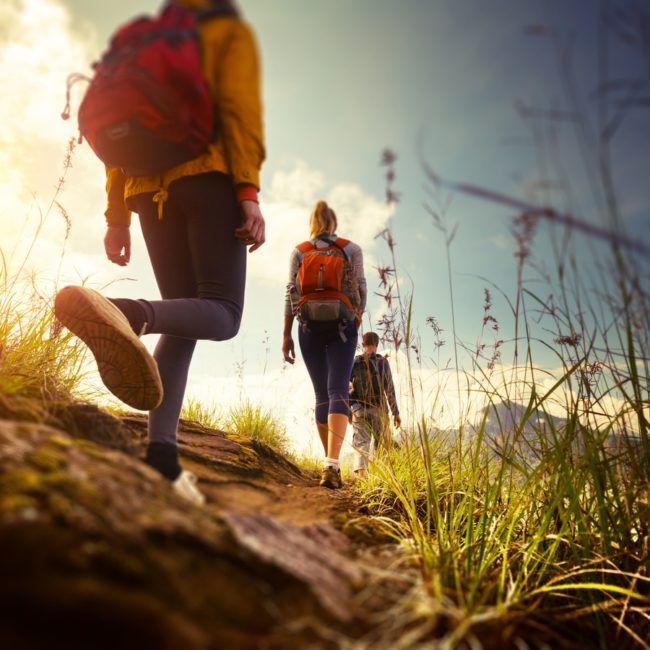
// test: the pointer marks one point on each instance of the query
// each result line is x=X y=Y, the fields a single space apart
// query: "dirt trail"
x=97 y=551
x=268 y=484
x=90 y=533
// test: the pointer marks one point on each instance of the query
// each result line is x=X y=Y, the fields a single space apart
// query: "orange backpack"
x=320 y=283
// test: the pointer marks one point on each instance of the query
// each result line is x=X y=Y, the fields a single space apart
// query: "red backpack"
x=148 y=106
x=320 y=283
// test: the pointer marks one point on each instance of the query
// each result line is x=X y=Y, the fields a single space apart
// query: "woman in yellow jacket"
x=197 y=219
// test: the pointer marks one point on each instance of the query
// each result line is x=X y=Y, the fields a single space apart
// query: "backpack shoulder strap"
x=224 y=9
x=341 y=243
x=305 y=247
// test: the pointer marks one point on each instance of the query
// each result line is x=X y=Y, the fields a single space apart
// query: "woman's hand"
x=358 y=319
x=117 y=244
x=288 y=350
x=253 y=230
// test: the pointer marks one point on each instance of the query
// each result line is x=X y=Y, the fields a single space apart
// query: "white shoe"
x=185 y=485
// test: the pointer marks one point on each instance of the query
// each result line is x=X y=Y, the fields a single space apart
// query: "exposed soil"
x=96 y=548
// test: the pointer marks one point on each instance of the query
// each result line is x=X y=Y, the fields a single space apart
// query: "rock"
x=97 y=551
x=310 y=555
x=89 y=422
x=24 y=409
x=78 y=419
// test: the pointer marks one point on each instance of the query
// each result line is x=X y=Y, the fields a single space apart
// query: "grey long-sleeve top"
x=354 y=283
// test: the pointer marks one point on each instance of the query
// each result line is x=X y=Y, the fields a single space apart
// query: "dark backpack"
x=366 y=381
x=148 y=107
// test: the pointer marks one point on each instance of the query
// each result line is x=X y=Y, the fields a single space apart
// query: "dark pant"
x=200 y=269
x=329 y=361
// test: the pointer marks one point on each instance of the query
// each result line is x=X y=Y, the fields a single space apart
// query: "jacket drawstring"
x=160 y=197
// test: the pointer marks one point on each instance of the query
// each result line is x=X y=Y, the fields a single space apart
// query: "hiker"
x=373 y=392
x=198 y=216
x=327 y=293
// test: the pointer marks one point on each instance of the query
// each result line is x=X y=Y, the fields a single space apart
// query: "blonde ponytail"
x=322 y=221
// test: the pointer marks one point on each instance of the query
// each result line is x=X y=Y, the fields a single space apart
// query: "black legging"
x=200 y=269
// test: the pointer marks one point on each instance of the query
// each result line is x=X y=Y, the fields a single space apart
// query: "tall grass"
x=244 y=419
x=37 y=359
x=523 y=519
x=209 y=415
x=546 y=518
x=563 y=534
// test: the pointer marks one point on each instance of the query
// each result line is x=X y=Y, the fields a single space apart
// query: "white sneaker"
x=185 y=485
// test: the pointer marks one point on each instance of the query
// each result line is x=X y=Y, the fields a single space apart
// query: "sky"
x=433 y=80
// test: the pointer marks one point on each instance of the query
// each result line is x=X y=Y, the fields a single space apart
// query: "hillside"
x=96 y=550
x=100 y=553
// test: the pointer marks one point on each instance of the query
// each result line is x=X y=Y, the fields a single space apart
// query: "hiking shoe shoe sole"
x=331 y=478
x=125 y=365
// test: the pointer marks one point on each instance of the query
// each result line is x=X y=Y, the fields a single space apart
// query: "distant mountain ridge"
x=506 y=417
x=506 y=429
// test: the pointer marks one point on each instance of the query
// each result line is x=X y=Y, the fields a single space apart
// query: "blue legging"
x=329 y=361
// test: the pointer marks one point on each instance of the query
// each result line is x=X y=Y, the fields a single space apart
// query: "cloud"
x=300 y=186
x=361 y=216
x=38 y=49
x=287 y=204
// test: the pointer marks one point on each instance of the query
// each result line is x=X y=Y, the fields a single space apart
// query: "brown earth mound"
x=96 y=550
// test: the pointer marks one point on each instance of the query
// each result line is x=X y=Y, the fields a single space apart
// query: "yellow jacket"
x=231 y=68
